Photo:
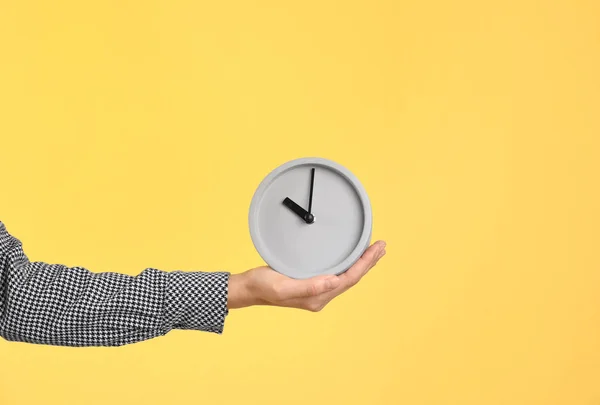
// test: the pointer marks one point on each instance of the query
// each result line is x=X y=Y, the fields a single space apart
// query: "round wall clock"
x=309 y=217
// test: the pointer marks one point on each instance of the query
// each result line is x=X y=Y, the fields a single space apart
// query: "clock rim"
x=361 y=245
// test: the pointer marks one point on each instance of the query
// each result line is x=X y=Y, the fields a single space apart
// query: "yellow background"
x=133 y=134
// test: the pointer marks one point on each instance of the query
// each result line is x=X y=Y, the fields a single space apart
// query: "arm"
x=57 y=305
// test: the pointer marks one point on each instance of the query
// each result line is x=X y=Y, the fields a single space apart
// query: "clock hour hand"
x=298 y=210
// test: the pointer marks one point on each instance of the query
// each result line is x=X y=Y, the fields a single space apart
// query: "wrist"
x=240 y=294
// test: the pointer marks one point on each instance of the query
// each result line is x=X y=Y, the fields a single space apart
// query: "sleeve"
x=71 y=306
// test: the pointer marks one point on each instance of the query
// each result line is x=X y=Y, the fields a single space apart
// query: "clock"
x=310 y=217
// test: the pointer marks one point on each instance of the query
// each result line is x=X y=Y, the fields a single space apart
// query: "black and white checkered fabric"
x=71 y=306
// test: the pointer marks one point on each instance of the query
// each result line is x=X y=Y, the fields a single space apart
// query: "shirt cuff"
x=196 y=300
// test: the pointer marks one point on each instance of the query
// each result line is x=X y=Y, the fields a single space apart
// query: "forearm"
x=54 y=304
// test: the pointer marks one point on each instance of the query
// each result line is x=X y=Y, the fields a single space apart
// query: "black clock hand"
x=298 y=210
x=312 y=186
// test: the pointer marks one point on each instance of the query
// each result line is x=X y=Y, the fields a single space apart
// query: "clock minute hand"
x=312 y=186
x=298 y=210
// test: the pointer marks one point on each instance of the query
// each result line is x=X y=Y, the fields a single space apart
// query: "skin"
x=264 y=286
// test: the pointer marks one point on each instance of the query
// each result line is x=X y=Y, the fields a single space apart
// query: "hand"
x=264 y=286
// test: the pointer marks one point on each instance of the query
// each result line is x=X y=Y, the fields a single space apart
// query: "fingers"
x=375 y=252
x=311 y=287
x=319 y=285
x=314 y=293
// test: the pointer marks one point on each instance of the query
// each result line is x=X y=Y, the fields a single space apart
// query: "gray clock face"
x=303 y=237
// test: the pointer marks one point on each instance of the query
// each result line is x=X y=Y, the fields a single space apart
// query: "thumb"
x=310 y=287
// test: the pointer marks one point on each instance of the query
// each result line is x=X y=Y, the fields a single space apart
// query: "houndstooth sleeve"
x=71 y=306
